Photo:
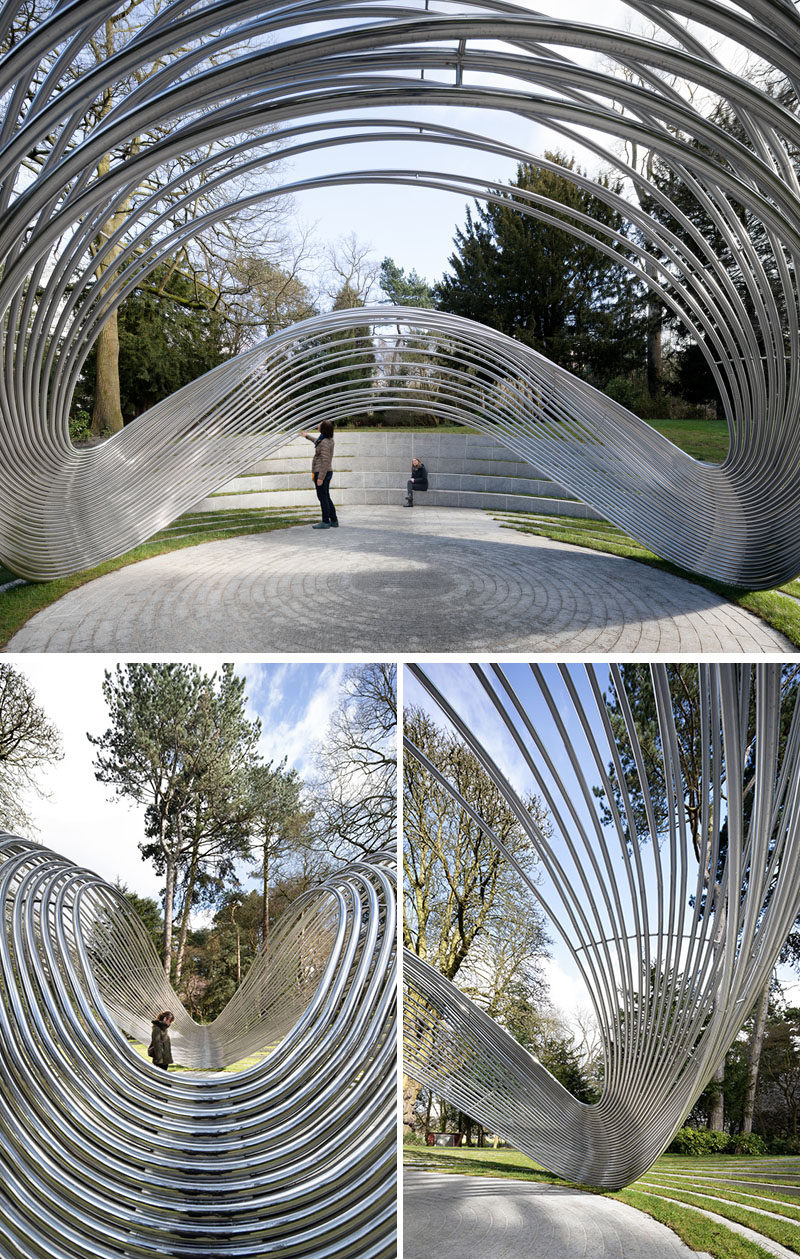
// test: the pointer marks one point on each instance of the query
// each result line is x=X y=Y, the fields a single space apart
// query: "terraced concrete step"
x=465 y=470
x=372 y=478
x=547 y=506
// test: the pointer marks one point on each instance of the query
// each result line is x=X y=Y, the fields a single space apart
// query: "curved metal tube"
x=674 y=948
x=720 y=249
x=104 y=1155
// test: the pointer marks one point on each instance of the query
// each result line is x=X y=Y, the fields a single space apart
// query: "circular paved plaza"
x=467 y=1217
x=388 y=581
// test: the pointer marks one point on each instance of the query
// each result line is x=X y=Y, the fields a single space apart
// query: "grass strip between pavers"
x=781 y=1204
x=777 y=607
x=697 y=1231
x=19 y=604
x=784 y=1232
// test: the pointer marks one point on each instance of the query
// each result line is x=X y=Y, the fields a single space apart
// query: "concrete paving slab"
x=392 y=580
x=471 y=1217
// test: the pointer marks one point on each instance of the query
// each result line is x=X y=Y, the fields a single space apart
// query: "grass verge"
x=20 y=603
x=780 y=608
x=667 y=1193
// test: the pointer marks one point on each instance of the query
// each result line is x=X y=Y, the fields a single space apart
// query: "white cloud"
x=568 y=993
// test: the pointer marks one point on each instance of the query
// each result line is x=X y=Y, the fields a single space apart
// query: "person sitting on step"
x=419 y=481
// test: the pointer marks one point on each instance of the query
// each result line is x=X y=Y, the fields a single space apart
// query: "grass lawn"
x=761 y=1194
x=702 y=439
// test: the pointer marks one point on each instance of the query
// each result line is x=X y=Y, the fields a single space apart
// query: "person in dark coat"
x=322 y=471
x=159 y=1049
x=419 y=481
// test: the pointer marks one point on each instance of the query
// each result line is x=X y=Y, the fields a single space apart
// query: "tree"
x=780 y=1069
x=354 y=794
x=540 y=1030
x=190 y=190
x=351 y=270
x=637 y=686
x=464 y=902
x=404 y=289
x=537 y=282
x=279 y=826
x=180 y=745
x=169 y=334
x=28 y=742
x=466 y=910
x=148 y=911
x=270 y=296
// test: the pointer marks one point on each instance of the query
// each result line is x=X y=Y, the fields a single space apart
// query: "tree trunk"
x=265 y=894
x=107 y=412
x=185 y=913
x=716 y=1116
x=169 y=893
x=754 y=1060
x=410 y=1092
x=655 y=317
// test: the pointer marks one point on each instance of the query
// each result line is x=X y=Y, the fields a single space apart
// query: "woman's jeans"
x=324 y=496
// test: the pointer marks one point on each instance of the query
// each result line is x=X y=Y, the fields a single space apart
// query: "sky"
x=416 y=225
x=81 y=819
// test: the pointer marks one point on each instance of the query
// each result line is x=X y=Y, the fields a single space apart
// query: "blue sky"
x=416 y=225
x=294 y=701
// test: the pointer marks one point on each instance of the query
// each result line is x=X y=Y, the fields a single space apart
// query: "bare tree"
x=354 y=795
x=466 y=910
x=353 y=271
x=28 y=742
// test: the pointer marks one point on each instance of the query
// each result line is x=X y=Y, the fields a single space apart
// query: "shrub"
x=784 y=1145
x=748 y=1143
x=80 y=426
x=694 y=1141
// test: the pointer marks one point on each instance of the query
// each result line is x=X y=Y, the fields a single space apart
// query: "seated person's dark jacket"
x=419 y=477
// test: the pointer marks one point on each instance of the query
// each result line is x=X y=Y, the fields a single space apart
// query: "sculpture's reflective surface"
x=105 y=1155
x=88 y=213
x=674 y=939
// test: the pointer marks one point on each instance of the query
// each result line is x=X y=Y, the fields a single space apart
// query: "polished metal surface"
x=674 y=942
x=720 y=248
x=105 y=1155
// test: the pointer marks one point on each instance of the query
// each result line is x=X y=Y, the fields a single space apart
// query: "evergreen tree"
x=404 y=289
x=180 y=745
x=544 y=286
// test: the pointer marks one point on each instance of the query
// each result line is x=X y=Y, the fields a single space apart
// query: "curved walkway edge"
x=464 y=1217
x=393 y=580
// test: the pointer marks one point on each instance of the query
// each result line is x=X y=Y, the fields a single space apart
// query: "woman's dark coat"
x=159 y=1048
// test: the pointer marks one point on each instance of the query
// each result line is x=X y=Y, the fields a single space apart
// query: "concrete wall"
x=464 y=470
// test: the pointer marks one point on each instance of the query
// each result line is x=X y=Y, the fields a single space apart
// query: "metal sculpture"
x=674 y=931
x=103 y=1155
x=88 y=213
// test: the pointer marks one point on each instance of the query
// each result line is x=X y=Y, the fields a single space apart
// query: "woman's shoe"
x=323 y=524
x=334 y=524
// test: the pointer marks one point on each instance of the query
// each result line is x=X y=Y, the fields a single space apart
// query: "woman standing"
x=322 y=471
x=160 y=1049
